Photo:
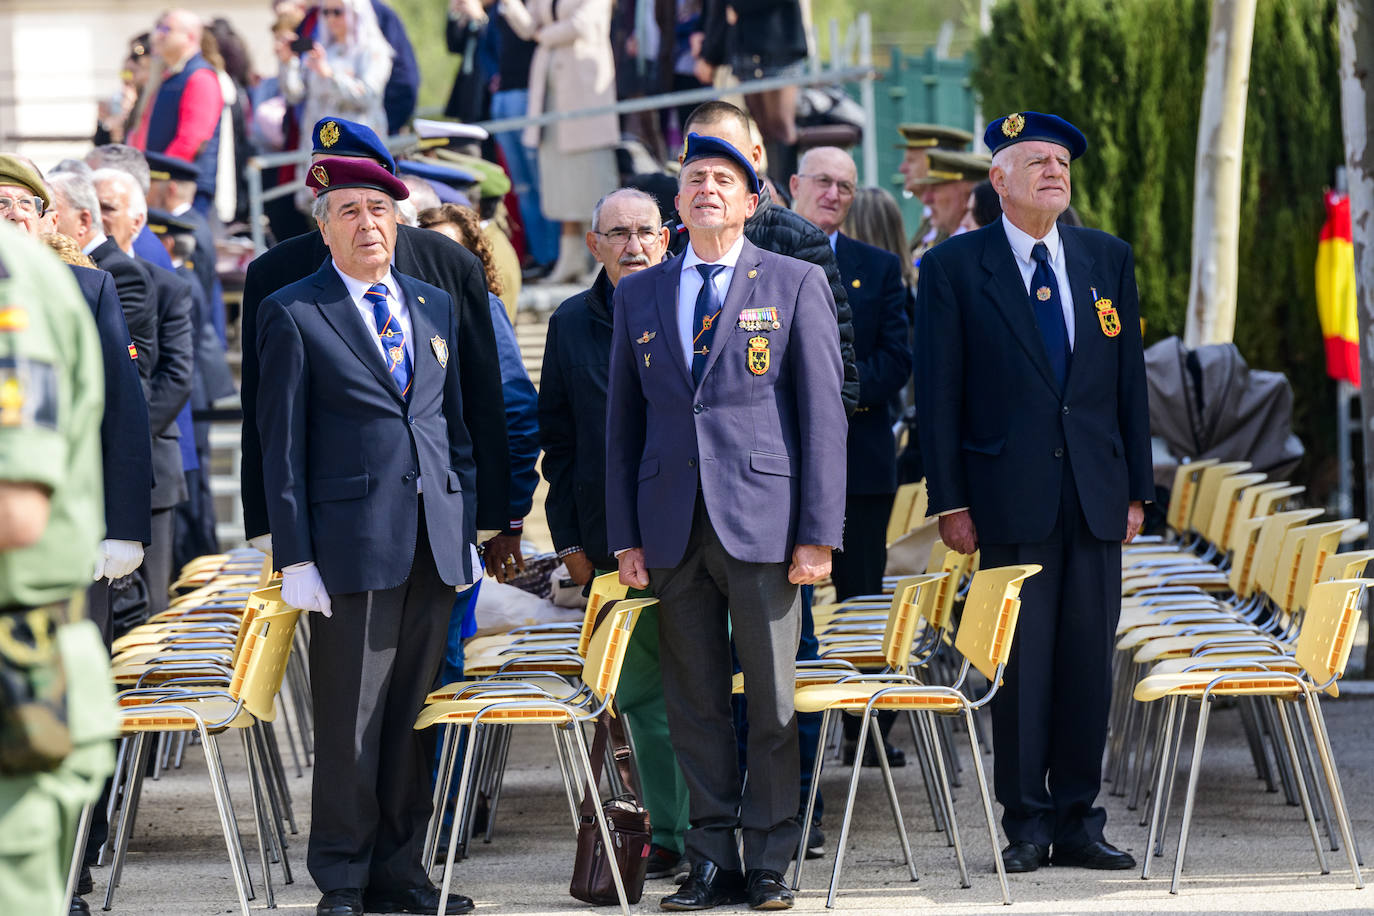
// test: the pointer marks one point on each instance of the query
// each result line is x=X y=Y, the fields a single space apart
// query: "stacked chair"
x=1247 y=600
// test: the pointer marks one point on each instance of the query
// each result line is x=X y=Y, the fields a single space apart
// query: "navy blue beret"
x=699 y=147
x=1018 y=127
x=337 y=137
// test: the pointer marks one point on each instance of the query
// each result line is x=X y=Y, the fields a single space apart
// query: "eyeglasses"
x=825 y=183
x=621 y=236
x=331 y=11
x=29 y=206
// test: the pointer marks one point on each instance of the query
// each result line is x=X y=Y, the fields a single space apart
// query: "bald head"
x=176 y=37
x=823 y=188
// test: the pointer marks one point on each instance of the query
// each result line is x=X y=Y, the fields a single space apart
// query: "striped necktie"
x=392 y=337
x=704 y=319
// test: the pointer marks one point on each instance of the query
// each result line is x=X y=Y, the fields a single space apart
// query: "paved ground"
x=1250 y=853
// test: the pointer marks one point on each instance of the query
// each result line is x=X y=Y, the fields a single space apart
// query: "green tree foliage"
x=1130 y=73
x=425 y=23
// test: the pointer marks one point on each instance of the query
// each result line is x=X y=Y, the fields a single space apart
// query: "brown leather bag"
x=592 y=881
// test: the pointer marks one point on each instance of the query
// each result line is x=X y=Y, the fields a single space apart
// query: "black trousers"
x=156 y=570
x=704 y=601
x=858 y=569
x=1049 y=719
x=371 y=665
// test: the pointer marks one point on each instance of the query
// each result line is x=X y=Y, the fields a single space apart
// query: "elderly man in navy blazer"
x=369 y=473
x=725 y=492
x=1034 y=424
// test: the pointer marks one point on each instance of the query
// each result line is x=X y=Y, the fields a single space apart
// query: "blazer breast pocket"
x=328 y=489
x=648 y=468
x=454 y=484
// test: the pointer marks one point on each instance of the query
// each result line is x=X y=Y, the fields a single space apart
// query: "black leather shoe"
x=345 y=901
x=414 y=900
x=1100 y=855
x=896 y=757
x=78 y=906
x=1024 y=856
x=707 y=886
x=767 y=891
x=84 y=883
x=663 y=862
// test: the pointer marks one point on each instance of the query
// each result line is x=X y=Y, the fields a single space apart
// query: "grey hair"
x=406 y=214
x=632 y=193
x=137 y=202
x=73 y=167
x=319 y=210
x=77 y=191
x=122 y=157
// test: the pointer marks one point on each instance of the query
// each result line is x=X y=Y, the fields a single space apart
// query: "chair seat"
x=555 y=687
x=1220 y=623
x=1194 y=683
x=169 y=720
x=1226 y=659
x=462 y=712
x=856 y=696
x=1186 y=646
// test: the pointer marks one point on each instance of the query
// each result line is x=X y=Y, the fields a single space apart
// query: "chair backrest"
x=1184 y=493
x=989 y=619
x=939 y=610
x=606 y=651
x=1209 y=483
x=1269 y=546
x=1319 y=542
x=899 y=522
x=1348 y=565
x=605 y=588
x=263 y=652
x=1328 y=628
x=1228 y=499
x=909 y=604
x=1270 y=501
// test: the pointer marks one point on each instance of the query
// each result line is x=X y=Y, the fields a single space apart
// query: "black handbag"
x=592 y=881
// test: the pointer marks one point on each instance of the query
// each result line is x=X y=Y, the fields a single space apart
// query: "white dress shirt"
x=690 y=284
x=1021 y=245
x=395 y=301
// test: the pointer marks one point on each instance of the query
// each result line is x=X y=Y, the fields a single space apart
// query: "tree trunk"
x=1356 y=28
x=1216 y=196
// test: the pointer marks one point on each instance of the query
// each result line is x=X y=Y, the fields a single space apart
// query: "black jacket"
x=778 y=229
x=126 y=454
x=572 y=421
x=766 y=32
x=437 y=260
x=171 y=354
x=132 y=285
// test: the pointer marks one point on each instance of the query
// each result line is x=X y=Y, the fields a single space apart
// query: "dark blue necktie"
x=1049 y=313
x=392 y=337
x=704 y=320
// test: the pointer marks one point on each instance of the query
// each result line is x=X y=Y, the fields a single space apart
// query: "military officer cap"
x=338 y=137
x=699 y=147
x=443 y=134
x=451 y=184
x=164 y=223
x=1020 y=126
x=933 y=136
x=336 y=174
x=492 y=180
x=162 y=167
x=951 y=165
x=18 y=171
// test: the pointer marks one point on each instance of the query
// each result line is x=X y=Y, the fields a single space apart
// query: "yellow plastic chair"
x=899 y=521
x=1324 y=645
x=984 y=640
x=601 y=673
x=249 y=698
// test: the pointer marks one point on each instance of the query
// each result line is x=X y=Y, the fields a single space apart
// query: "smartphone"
x=302 y=44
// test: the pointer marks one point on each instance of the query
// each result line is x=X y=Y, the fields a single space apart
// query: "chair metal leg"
x=238 y=864
x=923 y=761
x=1333 y=782
x=848 y=812
x=987 y=807
x=464 y=781
x=1157 y=803
x=83 y=831
x=1308 y=760
x=1147 y=717
x=259 y=827
x=947 y=798
x=816 y=767
x=1168 y=796
x=1256 y=743
x=1302 y=786
x=439 y=798
x=565 y=769
x=212 y=754
x=1204 y=710
x=880 y=749
x=126 y=746
x=261 y=733
x=138 y=759
x=580 y=743
x=503 y=754
x=273 y=748
x=1281 y=763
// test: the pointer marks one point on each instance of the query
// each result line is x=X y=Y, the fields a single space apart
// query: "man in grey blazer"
x=725 y=491
x=369 y=476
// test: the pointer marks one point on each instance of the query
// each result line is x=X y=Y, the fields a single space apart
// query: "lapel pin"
x=753 y=274
x=646 y=337
x=646 y=360
x=440 y=350
x=422 y=299
x=856 y=283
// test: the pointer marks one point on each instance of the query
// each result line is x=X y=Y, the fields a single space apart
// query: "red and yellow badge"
x=133 y=351
x=321 y=175
x=758 y=355
x=1013 y=124
x=1107 y=317
x=13 y=318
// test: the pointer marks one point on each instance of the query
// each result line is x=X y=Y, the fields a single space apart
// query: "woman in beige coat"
x=572 y=68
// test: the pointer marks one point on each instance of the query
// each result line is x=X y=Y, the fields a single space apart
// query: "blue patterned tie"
x=392 y=337
x=1049 y=313
x=707 y=311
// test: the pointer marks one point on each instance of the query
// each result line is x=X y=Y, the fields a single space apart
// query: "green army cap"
x=19 y=172
x=494 y=182
x=933 y=136
x=952 y=165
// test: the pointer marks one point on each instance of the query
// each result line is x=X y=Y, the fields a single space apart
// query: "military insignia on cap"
x=646 y=337
x=329 y=134
x=440 y=350
x=1013 y=124
x=321 y=175
x=1043 y=293
x=758 y=355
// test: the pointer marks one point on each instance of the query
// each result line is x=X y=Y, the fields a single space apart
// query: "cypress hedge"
x=1130 y=73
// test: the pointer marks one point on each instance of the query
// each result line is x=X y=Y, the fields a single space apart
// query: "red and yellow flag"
x=1336 y=291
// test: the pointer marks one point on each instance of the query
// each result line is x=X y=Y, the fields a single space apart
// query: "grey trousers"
x=706 y=599
x=371 y=665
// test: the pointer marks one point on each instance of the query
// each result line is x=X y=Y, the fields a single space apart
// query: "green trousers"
x=640 y=698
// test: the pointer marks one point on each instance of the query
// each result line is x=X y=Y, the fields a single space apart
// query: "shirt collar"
x=96 y=241
x=181 y=208
x=834 y=235
x=356 y=288
x=727 y=260
x=1022 y=243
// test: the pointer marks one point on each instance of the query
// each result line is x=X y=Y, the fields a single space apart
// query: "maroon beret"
x=333 y=174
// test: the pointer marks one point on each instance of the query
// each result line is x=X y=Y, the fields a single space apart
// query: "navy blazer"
x=171 y=353
x=341 y=448
x=873 y=281
x=766 y=424
x=125 y=447
x=995 y=428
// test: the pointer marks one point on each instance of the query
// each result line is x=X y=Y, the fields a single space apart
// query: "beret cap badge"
x=1013 y=124
x=321 y=174
x=329 y=134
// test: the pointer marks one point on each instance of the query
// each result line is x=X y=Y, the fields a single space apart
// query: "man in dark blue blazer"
x=1035 y=430
x=724 y=491
x=369 y=477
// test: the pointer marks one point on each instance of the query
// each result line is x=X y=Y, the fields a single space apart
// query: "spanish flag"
x=1336 y=291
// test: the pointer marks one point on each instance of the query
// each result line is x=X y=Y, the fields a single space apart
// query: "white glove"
x=302 y=587
x=117 y=559
x=262 y=542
